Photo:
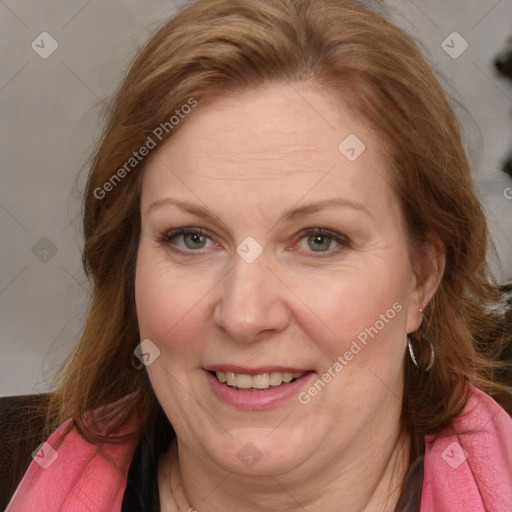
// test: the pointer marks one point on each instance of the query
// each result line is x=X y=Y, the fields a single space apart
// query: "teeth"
x=243 y=381
x=260 y=381
x=276 y=378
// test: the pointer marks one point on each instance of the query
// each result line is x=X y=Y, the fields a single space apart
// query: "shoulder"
x=22 y=426
x=66 y=468
x=468 y=465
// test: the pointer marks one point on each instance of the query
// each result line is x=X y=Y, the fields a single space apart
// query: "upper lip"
x=255 y=370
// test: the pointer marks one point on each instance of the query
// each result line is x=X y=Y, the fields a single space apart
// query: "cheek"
x=347 y=303
x=360 y=332
x=358 y=314
x=170 y=311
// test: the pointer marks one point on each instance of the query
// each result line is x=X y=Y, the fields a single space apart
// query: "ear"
x=428 y=270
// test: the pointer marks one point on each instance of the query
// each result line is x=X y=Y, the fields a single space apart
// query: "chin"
x=261 y=451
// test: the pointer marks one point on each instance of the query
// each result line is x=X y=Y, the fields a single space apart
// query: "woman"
x=291 y=294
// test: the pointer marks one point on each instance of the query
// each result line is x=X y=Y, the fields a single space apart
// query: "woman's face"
x=294 y=261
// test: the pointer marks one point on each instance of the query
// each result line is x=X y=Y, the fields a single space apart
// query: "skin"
x=248 y=158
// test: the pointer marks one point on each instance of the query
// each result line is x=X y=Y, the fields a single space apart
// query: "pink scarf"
x=468 y=473
x=471 y=472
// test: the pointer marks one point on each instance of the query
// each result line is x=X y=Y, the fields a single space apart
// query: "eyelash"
x=344 y=243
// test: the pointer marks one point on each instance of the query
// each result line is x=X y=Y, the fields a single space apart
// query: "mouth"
x=256 y=382
x=256 y=388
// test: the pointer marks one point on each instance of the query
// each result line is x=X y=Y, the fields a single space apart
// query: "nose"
x=251 y=305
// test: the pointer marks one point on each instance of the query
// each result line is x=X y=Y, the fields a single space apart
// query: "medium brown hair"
x=213 y=47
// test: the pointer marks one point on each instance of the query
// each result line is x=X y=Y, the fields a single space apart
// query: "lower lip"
x=257 y=400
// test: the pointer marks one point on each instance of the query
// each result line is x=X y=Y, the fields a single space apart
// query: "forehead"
x=273 y=144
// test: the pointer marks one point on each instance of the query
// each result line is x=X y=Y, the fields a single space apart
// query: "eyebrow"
x=287 y=215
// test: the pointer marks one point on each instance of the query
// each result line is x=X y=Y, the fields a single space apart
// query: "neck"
x=367 y=479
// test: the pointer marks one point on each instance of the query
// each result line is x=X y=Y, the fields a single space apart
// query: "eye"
x=321 y=241
x=186 y=239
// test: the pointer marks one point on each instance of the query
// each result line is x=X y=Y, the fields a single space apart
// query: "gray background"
x=51 y=116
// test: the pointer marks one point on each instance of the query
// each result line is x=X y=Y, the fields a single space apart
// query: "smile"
x=256 y=388
x=256 y=382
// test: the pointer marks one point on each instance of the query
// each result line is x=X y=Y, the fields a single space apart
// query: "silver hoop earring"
x=413 y=357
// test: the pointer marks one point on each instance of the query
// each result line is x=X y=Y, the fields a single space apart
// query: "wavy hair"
x=214 y=47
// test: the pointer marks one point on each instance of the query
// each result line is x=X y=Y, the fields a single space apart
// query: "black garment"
x=141 y=493
x=410 y=499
